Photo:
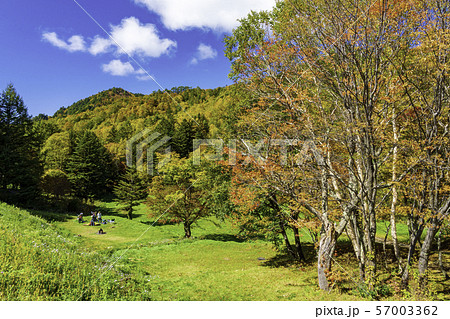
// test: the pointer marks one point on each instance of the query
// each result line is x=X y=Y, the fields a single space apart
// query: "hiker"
x=92 y=223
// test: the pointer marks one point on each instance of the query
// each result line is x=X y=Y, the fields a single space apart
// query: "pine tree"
x=130 y=190
x=187 y=132
x=166 y=126
x=19 y=162
x=201 y=127
x=183 y=138
x=90 y=167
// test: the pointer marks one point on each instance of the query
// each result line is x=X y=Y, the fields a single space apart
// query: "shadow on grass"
x=157 y=223
x=106 y=211
x=284 y=260
x=51 y=216
x=223 y=238
x=115 y=212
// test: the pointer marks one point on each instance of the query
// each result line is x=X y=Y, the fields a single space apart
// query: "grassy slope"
x=41 y=261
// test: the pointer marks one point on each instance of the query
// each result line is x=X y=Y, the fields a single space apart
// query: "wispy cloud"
x=75 y=43
x=204 y=52
x=140 y=39
x=130 y=35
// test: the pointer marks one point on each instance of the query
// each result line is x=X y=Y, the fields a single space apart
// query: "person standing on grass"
x=92 y=223
x=99 y=217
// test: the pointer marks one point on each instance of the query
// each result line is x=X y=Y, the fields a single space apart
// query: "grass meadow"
x=50 y=256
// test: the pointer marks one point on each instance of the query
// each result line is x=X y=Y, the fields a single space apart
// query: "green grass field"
x=159 y=264
x=214 y=265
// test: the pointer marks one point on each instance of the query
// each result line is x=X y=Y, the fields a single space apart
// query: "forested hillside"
x=115 y=115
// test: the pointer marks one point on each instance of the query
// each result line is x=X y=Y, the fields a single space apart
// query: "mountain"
x=116 y=114
x=89 y=103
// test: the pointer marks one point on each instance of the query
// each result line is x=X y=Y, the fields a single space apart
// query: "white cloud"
x=218 y=15
x=141 y=39
x=118 y=68
x=73 y=44
x=99 y=45
x=130 y=35
x=204 y=52
x=144 y=77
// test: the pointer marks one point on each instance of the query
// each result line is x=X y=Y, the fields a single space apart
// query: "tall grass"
x=39 y=261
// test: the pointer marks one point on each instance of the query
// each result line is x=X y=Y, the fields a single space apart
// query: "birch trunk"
x=327 y=245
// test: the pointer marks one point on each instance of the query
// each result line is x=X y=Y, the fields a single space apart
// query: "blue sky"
x=55 y=54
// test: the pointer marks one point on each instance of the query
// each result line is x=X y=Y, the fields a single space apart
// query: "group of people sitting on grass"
x=94 y=219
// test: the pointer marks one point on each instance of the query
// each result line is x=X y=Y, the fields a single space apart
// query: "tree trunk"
x=441 y=266
x=355 y=236
x=384 y=246
x=394 y=193
x=286 y=240
x=414 y=237
x=298 y=245
x=130 y=214
x=187 y=229
x=425 y=255
x=327 y=245
x=370 y=252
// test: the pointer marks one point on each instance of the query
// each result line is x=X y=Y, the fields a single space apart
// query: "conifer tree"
x=183 y=137
x=201 y=127
x=19 y=163
x=187 y=132
x=90 y=167
x=131 y=190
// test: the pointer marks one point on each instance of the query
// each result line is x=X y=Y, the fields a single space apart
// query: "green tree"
x=131 y=190
x=56 y=151
x=19 y=163
x=183 y=137
x=43 y=129
x=181 y=193
x=187 y=131
x=113 y=135
x=166 y=125
x=55 y=182
x=201 y=127
x=90 y=167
